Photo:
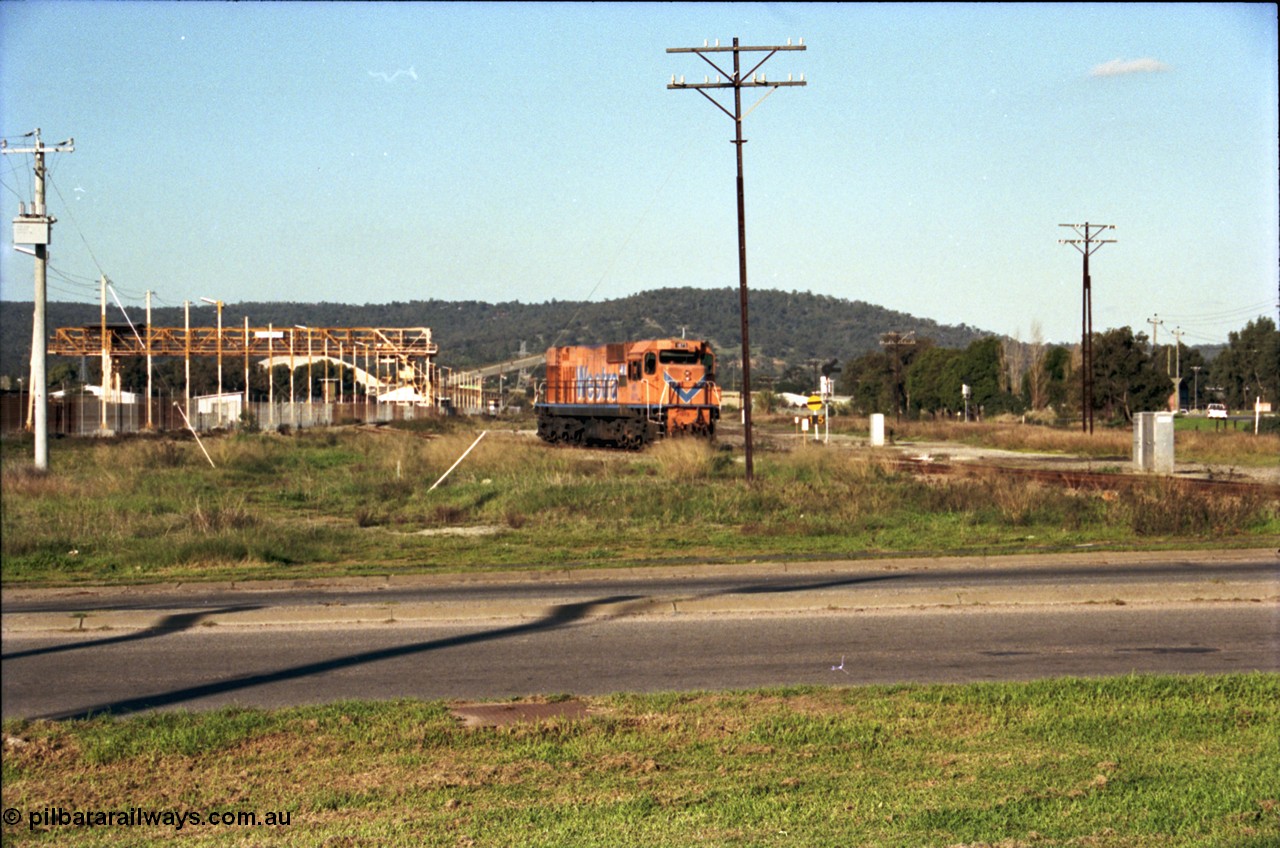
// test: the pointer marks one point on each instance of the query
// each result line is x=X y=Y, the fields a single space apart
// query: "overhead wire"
x=76 y=225
x=25 y=173
x=626 y=242
x=21 y=197
x=1213 y=327
x=137 y=336
x=1225 y=314
x=54 y=287
x=75 y=279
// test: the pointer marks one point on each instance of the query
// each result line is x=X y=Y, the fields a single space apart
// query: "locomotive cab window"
x=678 y=357
x=633 y=369
x=650 y=363
x=709 y=364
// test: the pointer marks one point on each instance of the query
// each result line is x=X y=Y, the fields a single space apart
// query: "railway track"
x=1089 y=480
x=1069 y=478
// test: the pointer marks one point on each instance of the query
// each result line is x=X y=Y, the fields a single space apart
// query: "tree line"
x=1130 y=374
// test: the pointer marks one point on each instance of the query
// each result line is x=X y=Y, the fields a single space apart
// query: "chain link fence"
x=87 y=415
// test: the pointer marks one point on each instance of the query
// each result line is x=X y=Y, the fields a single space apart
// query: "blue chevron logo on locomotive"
x=686 y=395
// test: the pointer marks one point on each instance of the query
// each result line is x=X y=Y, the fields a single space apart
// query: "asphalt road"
x=84 y=673
x=710 y=627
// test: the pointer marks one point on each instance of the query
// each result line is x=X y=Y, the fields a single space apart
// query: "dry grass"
x=1229 y=447
x=147 y=509
x=682 y=459
x=24 y=481
x=1012 y=435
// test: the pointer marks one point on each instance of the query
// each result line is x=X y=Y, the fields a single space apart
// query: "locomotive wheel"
x=633 y=436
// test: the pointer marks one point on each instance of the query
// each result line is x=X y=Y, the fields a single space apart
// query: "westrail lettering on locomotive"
x=595 y=387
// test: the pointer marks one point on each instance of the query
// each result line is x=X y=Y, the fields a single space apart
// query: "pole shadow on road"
x=558 y=616
x=166 y=625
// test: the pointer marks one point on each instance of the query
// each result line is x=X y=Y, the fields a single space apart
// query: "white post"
x=186 y=322
x=42 y=222
x=246 y=364
x=271 y=377
x=106 y=354
x=149 y=422
x=877 y=429
x=219 y=363
x=293 y=409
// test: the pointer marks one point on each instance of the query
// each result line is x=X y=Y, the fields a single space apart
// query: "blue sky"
x=368 y=153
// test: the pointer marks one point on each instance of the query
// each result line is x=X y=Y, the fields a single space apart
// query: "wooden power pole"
x=1087 y=244
x=737 y=80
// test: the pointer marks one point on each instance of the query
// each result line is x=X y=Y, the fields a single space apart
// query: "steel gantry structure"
x=395 y=358
x=122 y=340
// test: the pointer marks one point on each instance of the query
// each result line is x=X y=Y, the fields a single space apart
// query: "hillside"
x=786 y=327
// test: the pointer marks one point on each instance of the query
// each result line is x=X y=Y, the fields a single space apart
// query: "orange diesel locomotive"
x=630 y=393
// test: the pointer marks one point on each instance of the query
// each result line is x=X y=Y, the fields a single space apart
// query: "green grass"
x=1137 y=761
x=357 y=501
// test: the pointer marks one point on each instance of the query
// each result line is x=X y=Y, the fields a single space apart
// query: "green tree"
x=864 y=380
x=64 y=375
x=1250 y=366
x=934 y=381
x=764 y=401
x=1125 y=379
x=797 y=379
x=982 y=368
x=937 y=378
x=1058 y=368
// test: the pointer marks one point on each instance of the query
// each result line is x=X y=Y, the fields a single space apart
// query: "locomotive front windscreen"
x=678 y=357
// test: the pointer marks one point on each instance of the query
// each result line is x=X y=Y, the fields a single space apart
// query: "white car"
x=1217 y=410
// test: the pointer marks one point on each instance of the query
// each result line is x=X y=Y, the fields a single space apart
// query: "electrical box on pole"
x=29 y=229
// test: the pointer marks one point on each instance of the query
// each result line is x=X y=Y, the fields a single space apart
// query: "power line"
x=618 y=253
x=76 y=225
x=71 y=277
x=21 y=172
x=1226 y=314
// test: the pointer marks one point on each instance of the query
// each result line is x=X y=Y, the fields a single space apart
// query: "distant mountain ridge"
x=786 y=327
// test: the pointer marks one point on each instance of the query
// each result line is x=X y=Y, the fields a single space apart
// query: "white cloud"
x=1116 y=67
